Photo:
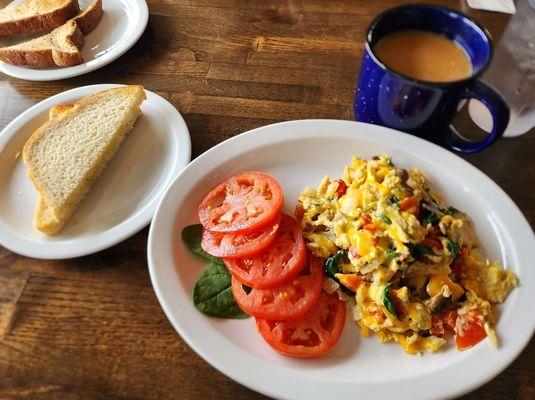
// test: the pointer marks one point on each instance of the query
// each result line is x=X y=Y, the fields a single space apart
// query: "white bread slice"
x=88 y=19
x=60 y=47
x=59 y=110
x=36 y=15
x=67 y=154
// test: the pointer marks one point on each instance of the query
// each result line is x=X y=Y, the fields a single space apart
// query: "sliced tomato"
x=278 y=263
x=469 y=329
x=289 y=300
x=312 y=335
x=241 y=203
x=231 y=245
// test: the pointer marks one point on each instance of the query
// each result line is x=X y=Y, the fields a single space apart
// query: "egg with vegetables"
x=407 y=263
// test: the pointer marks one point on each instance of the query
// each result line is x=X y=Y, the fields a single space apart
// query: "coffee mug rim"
x=415 y=81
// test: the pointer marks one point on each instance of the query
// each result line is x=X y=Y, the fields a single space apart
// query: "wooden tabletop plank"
x=91 y=328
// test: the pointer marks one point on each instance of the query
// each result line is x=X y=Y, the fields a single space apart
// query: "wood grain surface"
x=91 y=328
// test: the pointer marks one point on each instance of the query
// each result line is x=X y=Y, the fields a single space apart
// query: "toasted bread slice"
x=60 y=47
x=88 y=19
x=36 y=15
x=67 y=154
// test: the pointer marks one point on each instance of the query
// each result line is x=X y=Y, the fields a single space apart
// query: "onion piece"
x=330 y=285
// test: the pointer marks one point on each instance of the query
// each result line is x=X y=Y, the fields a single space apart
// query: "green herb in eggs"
x=431 y=219
x=450 y=211
x=392 y=199
x=385 y=219
x=388 y=303
x=332 y=264
x=390 y=253
x=453 y=248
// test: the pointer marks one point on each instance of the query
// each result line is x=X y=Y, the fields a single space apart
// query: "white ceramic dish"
x=122 y=24
x=299 y=154
x=124 y=197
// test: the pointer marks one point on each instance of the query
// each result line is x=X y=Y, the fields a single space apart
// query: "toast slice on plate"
x=67 y=154
x=88 y=19
x=59 y=48
x=36 y=15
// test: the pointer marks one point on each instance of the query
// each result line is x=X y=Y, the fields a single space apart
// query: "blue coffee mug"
x=426 y=109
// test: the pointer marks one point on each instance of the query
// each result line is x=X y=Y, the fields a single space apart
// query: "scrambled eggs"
x=407 y=263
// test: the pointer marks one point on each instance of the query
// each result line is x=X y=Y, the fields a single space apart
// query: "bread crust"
x=39 y=22
x=51 y=55
x=48 y=219
x=90 y=17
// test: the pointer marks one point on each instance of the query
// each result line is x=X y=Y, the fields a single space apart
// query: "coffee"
x=424 y=56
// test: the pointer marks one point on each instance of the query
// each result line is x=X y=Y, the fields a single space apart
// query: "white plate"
x=122 y=200
x=121 y=26
x=299 y=154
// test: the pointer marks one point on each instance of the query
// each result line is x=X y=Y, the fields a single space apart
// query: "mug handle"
x=494 y=101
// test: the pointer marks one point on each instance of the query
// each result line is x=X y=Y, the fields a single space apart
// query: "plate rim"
x=44 y=75
x=134 y=223
x=469 y=386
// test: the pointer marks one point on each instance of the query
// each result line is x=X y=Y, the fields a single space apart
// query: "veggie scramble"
x=408 y=264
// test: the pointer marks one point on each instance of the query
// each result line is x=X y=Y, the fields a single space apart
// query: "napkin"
x=512 y=72
x=504 y=6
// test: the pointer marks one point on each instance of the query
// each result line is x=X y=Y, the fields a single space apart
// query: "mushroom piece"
x=438 y=302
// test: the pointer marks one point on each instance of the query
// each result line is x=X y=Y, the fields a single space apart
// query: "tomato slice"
x=231 y=245
x=241 y=203
x=469 y=329
x=289 y=300
x=278 y=263
x=312 y=335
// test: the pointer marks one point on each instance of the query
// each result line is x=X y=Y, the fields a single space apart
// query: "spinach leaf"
x=419 y=250
x=431 y=219
x=387 y=301
x=389 y=162
x=385 y=219
x=450 y=211
x=392 y=199
x=453 y=248
x=191 y=235
x=391 y=253
x=332 y=267
x=212 y=293
x=332 y=264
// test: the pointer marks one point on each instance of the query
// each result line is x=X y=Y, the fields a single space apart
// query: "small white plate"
x=123 y=199
x=122 y=24
x=299 y=154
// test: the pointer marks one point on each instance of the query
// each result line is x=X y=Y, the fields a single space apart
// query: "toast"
x=67 y=154
x=88 y=19
x=59 y=48
x=36 y=15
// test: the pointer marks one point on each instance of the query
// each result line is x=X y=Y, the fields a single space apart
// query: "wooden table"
x=91 y=328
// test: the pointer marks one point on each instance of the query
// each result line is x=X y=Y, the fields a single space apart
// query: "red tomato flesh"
x=312 y=335
x=289 y=300
x=469 y=329
x=243 y=202
x=231 y=245
x=278 y=263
